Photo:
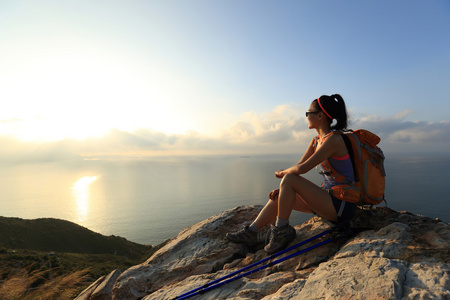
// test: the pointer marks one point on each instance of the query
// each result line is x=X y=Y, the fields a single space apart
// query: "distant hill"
x=63 y=236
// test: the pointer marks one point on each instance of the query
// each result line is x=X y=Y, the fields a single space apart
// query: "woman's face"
x=313 y=117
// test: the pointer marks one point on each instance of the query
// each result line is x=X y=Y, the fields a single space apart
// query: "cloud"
x=284 y=130
x=14 y=151
x=10 y=120
x=398 y=135
x=402 y=115
x=280 y=126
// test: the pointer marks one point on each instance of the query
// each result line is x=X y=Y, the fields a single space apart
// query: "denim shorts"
x=344 y=210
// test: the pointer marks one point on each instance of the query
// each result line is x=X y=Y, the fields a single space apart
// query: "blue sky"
x=209 y=77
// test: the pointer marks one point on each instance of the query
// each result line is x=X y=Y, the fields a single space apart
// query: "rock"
x=104 y=289
x=198 y=249
x=394 y=255
x=100 y=289
x=86 y=294
x=358 y=277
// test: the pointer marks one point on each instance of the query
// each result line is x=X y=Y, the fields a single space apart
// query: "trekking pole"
x=220 y=281
x=252 y=265
x=255 y=270
x=210 y=287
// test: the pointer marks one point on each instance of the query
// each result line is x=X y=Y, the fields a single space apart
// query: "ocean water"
x=150 y=200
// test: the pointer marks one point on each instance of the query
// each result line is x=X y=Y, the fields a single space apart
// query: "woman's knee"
x=289 y=180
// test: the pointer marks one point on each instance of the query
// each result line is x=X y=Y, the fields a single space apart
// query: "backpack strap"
x=317 y=138
x=348 y=144
x=330 y=171
x=315 y=142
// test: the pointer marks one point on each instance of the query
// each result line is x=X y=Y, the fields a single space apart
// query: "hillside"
x=56 y=259
x=63 y=236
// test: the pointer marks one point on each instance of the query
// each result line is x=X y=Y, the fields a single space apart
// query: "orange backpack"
x=368 y=166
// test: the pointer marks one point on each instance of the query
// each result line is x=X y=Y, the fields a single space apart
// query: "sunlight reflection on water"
x=81 y=193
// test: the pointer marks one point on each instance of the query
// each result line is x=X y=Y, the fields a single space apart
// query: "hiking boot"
x=244 y=235
x=279 y=238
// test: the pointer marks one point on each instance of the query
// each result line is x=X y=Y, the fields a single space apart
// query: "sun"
x=79 y=89
x=58 y=98
x=71 y=98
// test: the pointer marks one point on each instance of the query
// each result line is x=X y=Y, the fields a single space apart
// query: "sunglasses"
x=312 y=112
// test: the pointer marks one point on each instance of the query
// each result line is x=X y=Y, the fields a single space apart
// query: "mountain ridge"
x=50 y=234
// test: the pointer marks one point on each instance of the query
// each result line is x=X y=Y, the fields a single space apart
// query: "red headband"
x=328 y=115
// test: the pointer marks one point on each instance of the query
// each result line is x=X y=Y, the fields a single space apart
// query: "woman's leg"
x=301 y=194
x=248 y=235
x=267 y=214
x=296 y=193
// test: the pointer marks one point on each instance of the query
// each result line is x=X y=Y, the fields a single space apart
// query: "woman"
x=326 y=114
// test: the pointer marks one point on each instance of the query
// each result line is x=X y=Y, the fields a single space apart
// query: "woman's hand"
x=273 y=195
x=280 y=173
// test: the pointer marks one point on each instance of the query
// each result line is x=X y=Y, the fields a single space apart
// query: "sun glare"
x=75 y=88
x=81 y=193
x=85 y=98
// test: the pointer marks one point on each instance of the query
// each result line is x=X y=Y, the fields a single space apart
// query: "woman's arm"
x=309 y=151
x=332 y=146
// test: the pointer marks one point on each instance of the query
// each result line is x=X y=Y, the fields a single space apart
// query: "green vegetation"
x=57 y=259
x=63 y=236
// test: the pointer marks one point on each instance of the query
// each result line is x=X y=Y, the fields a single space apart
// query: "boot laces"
x=272 y=234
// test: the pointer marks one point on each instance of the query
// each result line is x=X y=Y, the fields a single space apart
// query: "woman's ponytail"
x=334 y=107
x=341 y=115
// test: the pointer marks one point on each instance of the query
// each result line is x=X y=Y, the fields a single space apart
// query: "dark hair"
x=334 y=108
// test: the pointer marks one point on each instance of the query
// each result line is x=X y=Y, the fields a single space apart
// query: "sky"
x=135 y=78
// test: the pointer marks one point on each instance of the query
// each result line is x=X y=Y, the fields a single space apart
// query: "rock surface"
x=394 y=255
x=101 y=289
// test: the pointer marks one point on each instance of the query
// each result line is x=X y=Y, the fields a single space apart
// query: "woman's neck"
x=322 y=131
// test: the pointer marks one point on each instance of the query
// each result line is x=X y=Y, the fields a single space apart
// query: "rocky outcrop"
x=392 y=255
x=101 y=289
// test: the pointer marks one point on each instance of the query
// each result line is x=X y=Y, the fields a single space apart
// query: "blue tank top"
x=343 y=165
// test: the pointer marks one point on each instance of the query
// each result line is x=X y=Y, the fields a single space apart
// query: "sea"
x=150 y=200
